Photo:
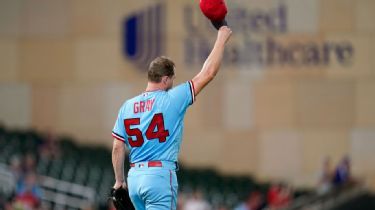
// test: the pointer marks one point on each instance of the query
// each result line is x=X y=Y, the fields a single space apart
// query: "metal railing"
x=66 y=193
x=7 y=181
x=58 y=192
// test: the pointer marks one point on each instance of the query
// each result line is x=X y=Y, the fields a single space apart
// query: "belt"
x=155 y=163
x=149 y=164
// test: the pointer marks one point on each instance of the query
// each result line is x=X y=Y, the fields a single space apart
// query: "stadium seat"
x=91 y=166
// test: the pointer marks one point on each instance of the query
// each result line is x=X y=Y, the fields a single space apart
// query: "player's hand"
x=224 y=34
x=118 y=185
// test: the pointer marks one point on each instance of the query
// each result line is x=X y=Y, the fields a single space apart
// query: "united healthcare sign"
x=263 y=37
x=144 y=35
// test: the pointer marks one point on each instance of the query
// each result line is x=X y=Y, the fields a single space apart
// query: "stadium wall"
x=297 y=84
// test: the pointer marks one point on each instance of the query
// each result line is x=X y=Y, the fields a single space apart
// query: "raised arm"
x=212 y=64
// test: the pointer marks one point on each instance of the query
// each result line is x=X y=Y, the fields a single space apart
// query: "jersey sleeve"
x=183 y=95
x=118 y=131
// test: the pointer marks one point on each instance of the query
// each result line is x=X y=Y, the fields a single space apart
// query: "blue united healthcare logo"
x=144 y=34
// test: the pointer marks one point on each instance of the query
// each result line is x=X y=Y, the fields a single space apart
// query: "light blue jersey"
x=151 y=124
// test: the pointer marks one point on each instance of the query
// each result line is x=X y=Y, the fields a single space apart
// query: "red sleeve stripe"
x=118 y=137
x=192 y=91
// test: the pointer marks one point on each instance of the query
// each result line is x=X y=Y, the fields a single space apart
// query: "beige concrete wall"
x=62 y=68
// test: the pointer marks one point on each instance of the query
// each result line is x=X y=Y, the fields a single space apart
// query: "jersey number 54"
x=157 y=123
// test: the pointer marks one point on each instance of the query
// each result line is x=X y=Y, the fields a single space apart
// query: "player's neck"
x=154 y=87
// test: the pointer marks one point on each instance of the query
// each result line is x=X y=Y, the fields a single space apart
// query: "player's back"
x=151 y=123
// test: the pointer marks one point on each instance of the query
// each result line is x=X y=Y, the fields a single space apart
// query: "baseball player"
x=151 y=125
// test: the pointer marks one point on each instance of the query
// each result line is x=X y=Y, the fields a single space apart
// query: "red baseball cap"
x=214 y=10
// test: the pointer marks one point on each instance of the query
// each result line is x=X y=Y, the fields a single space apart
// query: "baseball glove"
x=121 y=200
